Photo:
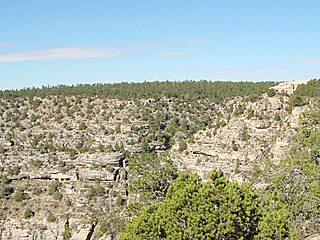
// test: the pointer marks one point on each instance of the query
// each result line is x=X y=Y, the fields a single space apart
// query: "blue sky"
x=81 y=41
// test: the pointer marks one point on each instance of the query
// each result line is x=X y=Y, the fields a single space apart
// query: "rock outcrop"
x=243 y=144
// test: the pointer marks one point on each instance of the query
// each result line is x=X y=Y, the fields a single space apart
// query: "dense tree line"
x=303 y=92
x=184 y=90
x=311 y=89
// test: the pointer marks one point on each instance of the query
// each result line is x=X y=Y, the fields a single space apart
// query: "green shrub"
x=120 y=200
x=82 y=126
x=63 y=170
x=16 y=170
x=182 y=146
x=53 y=187
x=68 y=203
x=51 y=217
x=155 y=174
x=104 y=226
x=109 y=169
x=67 y=233
x=28 y=213
x=234 y=146
x=5 y=180
x=97 y=190
x=20 y=195
x=244 y=134
x=298 y=101
x=277 y=117
x=118 y=129
x=5 y=191
x=36 y=191
x=271 y=92
x=57 y=196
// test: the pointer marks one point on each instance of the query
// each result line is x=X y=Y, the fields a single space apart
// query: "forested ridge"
x=127 y=91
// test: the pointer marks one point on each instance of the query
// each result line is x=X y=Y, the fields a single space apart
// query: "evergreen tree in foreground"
x=193 y=209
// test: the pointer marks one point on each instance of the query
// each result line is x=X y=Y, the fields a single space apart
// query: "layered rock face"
x=86 y=188
x=242 y=144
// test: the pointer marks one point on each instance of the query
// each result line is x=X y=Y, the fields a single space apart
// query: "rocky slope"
x=243 y=143
x=65 y=158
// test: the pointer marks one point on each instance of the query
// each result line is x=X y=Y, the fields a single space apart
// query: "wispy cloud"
x=6 y=44
x=174 y=53
x=307 y=60
x=271 y=67
x=184 y=42
x=62 y=53
x=265 y=73
x=99 y=52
